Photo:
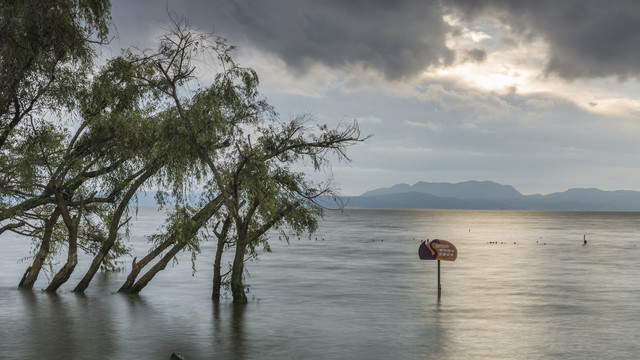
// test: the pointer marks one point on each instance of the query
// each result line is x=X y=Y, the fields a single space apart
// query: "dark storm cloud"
x=587 y=38
x=398 y=38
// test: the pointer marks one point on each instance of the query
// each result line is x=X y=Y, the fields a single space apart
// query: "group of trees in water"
x=78 y=142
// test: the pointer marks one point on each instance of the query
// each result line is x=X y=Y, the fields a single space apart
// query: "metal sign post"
x=439 y=287
x=437 y=250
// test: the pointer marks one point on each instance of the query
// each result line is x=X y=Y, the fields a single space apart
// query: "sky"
x=541 y=95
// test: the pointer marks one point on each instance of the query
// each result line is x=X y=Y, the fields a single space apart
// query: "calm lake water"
x=359 y=292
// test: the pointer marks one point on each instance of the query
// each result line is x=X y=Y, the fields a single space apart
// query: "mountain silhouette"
x=488 y=195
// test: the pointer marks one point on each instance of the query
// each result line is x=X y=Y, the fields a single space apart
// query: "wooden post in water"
x=439 y=287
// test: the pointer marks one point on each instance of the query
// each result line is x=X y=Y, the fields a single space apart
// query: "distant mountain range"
x=472 y=195
x=488 y=195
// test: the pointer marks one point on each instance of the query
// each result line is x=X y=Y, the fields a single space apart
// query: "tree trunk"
x=199 y=220
x=93 y=269
x=65 y=272
x=245 y=238
x=217 y=263
x=72 y=227
x=136 y=267
x=237 y=287
x=113 y=232
x=72 y=259
x=159 y=266
x=31 y=275
x=217 y=274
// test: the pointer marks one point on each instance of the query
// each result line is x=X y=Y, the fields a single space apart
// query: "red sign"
x=437 y=250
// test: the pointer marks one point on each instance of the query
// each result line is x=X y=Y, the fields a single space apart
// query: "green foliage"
x=46 y=52
x=180 y=227
x=93 y=139
x=46 y=55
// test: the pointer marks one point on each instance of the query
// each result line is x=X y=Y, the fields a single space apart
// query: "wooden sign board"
x=437 y=250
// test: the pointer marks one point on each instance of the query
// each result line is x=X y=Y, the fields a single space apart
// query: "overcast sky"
x=543 y=95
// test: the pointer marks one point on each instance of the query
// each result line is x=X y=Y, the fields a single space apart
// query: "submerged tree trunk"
x=113 y=232
x=237 y=286
x=245 y=238
x=198 y=221
x=72 y=260
x=217 y=273
x=31 y=275
x=136 y=267
x=217 y=263
x=159 y=266
x=72 y=257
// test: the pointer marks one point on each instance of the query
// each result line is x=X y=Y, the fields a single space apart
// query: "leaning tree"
x=245 y=156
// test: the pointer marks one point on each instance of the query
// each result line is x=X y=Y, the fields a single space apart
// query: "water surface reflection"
x=360 y=292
